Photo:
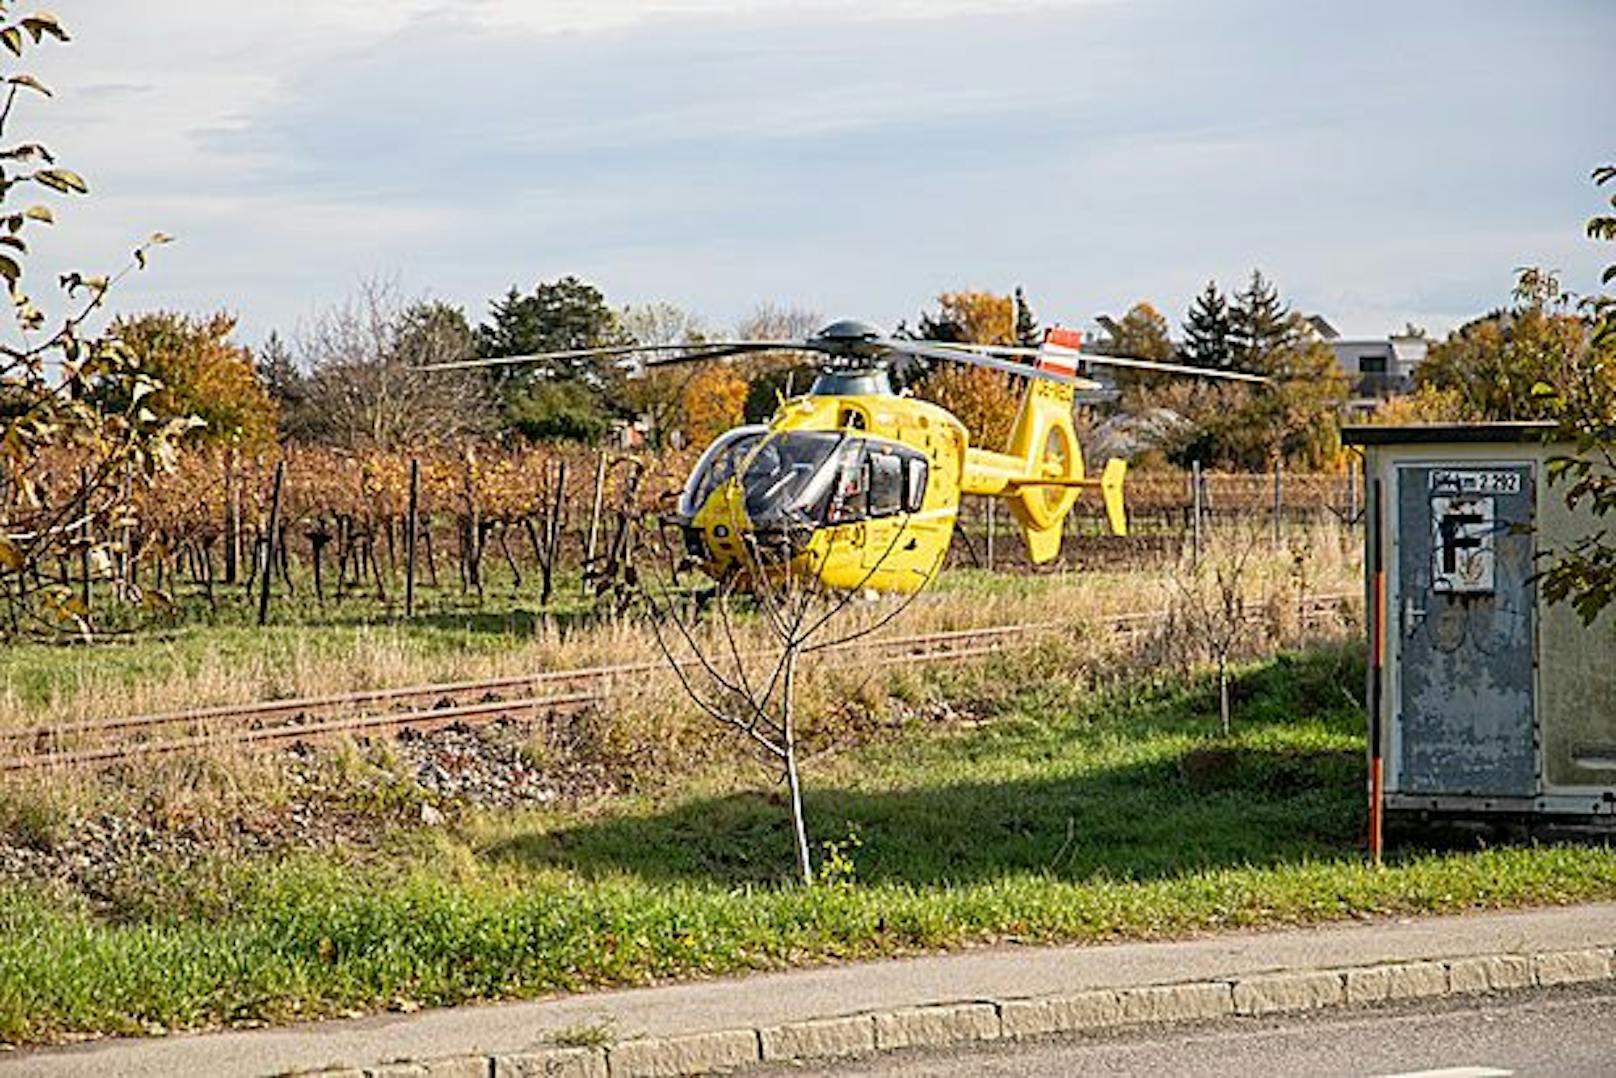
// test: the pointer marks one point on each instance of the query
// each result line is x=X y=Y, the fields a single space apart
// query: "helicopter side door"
x=896 y=546
x=884 y=534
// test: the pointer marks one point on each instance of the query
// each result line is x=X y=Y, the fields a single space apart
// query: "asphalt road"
x=1543 y=1033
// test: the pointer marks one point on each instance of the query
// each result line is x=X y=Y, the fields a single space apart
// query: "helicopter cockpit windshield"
x=785 y=477
x=717 y=466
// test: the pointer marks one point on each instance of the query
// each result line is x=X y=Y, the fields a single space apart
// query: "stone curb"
x=943 y=1024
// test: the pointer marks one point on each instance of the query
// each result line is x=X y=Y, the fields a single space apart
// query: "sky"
x=1383 y=162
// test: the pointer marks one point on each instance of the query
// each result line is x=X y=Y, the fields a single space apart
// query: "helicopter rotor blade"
x=978 y=356
x=1116 y=361
x=685 y=352
x=695 y=353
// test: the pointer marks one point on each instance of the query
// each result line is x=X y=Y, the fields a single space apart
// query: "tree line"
x=352 y=379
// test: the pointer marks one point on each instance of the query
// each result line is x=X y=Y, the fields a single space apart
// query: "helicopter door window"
x=850 y=502
x=914 y=488
x=886 y=484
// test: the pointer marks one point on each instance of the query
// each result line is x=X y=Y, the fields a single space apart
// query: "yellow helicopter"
x=859 y=487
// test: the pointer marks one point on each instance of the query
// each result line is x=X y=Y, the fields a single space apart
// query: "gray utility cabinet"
x=1488 y=701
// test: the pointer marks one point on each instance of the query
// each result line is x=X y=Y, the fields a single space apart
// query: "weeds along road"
x=1549 y=1032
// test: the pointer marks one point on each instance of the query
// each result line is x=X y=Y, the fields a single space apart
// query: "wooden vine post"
x=471 y=545
x=232 y=518
x=269 y=543
x=84 y=547
x=412 y=526
x=552 y=533
x=594 y=521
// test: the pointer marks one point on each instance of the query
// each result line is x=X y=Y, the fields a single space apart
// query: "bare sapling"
x=1214 y=609
x=754 y=692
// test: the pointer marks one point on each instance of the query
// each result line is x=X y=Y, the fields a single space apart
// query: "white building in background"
x=1378 y=366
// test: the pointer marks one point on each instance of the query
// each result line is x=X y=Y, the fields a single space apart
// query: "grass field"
x=1070 y=806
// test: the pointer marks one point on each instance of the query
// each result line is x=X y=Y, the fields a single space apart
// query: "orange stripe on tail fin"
x=1060 y=349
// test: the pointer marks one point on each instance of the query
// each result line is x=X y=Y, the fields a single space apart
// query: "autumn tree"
x=1425 y=404
x=1582 y=400
x=982 y=399
x=1492 y=363
x=1294 y=417
x=971 y=318
x=204 y=374
x=1209 y=330
x=1141 y=333
x=77 y=434
x=713 y=401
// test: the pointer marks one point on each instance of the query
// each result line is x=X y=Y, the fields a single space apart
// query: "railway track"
x=429 y=706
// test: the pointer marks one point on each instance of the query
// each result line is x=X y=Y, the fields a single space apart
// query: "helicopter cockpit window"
x=914 y=487
x=788 y=473
x=717 y=466
x=886 y=483
x=849 y=500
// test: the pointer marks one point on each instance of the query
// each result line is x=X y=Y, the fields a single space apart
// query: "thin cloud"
x=854 y=156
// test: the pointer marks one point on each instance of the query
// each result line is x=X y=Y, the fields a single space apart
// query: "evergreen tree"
x=1260 y=321
x=1027 y=334
x=1208 y=330
x=286 y=383
x=283 y=379
x=566 y=315
x=570 y=399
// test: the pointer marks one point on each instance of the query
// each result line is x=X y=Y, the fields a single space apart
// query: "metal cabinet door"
x=1465 y=615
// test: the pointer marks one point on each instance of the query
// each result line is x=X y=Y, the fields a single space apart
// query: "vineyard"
x=389 y=530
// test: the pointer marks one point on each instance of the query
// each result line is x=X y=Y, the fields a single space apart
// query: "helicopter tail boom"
x=1040 y=474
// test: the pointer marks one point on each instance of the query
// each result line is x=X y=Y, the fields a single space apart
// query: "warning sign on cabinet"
x=1462 y=528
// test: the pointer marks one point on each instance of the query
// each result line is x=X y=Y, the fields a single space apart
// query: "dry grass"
x=227 y=665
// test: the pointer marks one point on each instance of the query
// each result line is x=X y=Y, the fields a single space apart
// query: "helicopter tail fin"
x=1116 y=469
x=1044 y=441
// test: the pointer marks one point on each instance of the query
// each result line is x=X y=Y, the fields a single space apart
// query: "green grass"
x=1073 y=815
x=36 y=675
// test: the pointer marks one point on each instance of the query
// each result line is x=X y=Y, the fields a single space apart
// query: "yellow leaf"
x=62 y=179
x=11 y=555
x=30 y=82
